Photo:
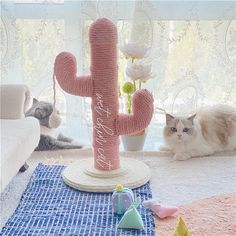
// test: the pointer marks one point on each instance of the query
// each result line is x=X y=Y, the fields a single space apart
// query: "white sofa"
x=19 y=135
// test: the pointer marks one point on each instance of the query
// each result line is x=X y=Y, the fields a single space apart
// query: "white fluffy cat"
x=210 y=130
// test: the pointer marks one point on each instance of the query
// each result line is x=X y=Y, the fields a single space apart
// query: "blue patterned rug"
x=49 y=207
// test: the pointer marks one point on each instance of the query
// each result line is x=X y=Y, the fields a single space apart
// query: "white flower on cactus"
x=133 y=50
x=139 y=72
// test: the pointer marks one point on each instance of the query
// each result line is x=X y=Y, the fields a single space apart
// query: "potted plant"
x=138 y=74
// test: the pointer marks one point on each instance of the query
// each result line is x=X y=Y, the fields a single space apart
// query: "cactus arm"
x=80 y=86
x=142 y=107
x=65 y=72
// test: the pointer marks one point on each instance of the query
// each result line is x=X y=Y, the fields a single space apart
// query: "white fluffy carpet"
x=172 y=182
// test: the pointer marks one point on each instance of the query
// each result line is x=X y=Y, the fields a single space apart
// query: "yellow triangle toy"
x=181 y=229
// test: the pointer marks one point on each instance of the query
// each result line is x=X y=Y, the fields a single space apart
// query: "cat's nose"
x=179 y=135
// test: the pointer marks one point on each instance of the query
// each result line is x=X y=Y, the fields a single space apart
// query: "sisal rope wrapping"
x=102 y=87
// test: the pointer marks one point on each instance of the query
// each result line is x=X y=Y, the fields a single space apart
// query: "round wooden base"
x=83 y=176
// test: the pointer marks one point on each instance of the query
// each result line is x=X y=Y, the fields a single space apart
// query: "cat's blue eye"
x=173 y=129
x=185 y=130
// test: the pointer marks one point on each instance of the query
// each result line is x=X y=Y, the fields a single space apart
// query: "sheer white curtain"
x=193 y=51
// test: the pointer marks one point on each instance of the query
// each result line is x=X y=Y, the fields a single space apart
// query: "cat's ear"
x=191 y=118
x=35 y=100
x=169 y=117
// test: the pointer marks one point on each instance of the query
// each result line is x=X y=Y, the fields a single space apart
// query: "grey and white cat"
x=210 y=130
x=42 y=111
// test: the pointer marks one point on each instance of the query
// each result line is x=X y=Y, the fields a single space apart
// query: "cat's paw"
x=181 y=157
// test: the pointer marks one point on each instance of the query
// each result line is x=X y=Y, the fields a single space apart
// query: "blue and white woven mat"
x=49 y=207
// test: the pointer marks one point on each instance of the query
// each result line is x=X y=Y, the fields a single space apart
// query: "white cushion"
x=14 y=100
x=19 y=138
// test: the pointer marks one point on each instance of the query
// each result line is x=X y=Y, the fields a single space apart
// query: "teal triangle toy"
x=132 y=219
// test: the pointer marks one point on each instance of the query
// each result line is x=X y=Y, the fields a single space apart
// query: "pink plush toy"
x=102 y=87
x=162 y=211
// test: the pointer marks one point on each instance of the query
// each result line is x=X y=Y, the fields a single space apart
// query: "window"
x=40 y=40
x=193 y=52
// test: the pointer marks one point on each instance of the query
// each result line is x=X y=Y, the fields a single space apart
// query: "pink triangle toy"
x=162 y=211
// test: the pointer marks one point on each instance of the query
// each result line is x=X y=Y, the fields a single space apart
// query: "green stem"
x=129 y=103
x=134 y=85
x=140 y=84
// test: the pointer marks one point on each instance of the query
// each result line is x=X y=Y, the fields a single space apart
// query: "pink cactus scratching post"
x=108 y=124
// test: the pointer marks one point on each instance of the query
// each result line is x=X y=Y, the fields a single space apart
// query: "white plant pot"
x=134 y=142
